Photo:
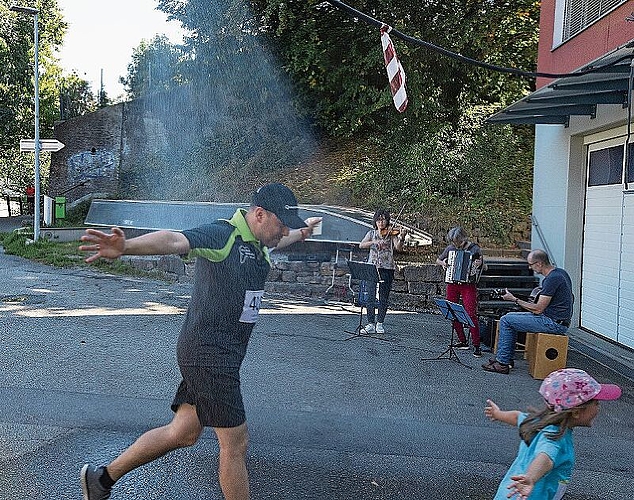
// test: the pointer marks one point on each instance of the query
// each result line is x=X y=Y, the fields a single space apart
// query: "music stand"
x=452 y=312
x=363 y=272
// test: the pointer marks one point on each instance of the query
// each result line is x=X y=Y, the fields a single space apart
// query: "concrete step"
x=507 y=268
x=523 y=245
x=491 y=294
x=521 y=281
x=502 y=252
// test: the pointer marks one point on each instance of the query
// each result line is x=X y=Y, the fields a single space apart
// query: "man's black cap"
x=281 y=201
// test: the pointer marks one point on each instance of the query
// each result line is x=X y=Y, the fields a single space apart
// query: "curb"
x=606 y=359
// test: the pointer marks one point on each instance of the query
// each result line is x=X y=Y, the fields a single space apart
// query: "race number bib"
x=251 y=308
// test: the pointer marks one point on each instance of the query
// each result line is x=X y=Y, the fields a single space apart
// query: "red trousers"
x=469 y=294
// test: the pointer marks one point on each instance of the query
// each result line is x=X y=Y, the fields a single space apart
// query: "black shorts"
x=215 y=394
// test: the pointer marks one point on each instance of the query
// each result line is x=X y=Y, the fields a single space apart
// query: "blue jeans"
x=514 y=322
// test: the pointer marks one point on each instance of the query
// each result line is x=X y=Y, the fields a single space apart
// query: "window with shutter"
x=579 y=14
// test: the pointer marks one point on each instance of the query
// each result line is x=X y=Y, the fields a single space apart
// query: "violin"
x=387 y=232
x=390 y=231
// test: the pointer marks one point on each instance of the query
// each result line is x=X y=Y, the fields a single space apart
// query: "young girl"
x=545 y=459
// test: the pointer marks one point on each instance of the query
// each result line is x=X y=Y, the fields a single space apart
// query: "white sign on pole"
x=52 y=145
x=48 y=210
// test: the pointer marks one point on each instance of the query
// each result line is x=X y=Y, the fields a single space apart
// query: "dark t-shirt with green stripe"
x=230 y=272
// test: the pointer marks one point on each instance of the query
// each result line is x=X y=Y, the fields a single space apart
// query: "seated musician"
x=467 y=290
x=550 y=313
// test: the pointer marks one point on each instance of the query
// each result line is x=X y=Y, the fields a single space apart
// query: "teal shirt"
x=553 y=485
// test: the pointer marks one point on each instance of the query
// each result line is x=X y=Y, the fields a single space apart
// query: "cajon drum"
x=549 y=353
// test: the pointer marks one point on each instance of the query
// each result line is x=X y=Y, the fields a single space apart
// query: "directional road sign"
x=45 y=145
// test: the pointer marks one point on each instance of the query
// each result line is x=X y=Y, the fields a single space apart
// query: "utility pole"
x=38 y=147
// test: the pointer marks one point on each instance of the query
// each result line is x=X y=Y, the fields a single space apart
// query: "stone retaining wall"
x=414 y=287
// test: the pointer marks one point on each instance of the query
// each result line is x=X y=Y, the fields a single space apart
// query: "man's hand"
x=312 y=223
x=108 y=246
x=301 y=234
x=508 y=296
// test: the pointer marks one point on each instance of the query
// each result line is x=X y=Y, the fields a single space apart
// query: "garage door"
x=607 y=277
x=626 y=289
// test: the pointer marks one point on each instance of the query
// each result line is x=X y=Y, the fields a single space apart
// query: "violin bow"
x=393 y=223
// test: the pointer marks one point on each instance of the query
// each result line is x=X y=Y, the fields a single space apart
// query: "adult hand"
x=312 y=223
x=508 y=295
x=108 y=246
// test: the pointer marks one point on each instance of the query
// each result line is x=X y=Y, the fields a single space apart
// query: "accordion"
x=461 y=267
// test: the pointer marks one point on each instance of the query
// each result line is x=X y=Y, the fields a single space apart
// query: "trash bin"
x=60 y=207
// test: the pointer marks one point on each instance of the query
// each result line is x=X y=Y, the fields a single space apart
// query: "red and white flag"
x=395 y=72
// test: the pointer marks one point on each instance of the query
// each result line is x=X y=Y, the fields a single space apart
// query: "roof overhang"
x=576 y=95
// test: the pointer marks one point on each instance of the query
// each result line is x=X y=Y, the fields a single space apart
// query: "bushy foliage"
x=438 y=158
x=156 y=66
x=474 y=174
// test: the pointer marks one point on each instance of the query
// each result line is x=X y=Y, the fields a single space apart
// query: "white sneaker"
x=379 y=328
x=369 y=328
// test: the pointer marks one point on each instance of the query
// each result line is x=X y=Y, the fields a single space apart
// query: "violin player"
x=381 y=241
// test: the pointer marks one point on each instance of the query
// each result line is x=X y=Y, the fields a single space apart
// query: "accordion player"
x=462 y=267
x=462 y=261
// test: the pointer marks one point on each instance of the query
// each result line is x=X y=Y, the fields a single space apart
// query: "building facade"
x=583 y=189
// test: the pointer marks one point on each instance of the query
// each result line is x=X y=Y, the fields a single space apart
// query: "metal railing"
x=543 y=239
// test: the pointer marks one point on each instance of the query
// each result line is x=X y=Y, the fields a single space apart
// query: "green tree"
x=156 y=66
x=439 y=155
x=75 y=97
x=17 y=86
x=337 y=60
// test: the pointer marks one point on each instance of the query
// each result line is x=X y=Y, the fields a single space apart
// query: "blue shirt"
x=558 y=286
x=552 y=485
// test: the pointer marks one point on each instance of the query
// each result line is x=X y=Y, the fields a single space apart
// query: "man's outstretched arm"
x=115 y=244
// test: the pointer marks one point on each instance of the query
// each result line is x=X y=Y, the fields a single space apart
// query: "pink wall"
x=603 y=36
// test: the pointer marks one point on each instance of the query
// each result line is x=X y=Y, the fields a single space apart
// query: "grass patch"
x=66 y=255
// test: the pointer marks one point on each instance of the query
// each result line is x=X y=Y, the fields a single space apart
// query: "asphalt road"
x=87 y=363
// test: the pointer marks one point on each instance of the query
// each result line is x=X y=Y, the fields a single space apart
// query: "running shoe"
x=90 y=485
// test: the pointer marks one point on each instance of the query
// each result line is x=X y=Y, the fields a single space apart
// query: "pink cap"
x=571 y=387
